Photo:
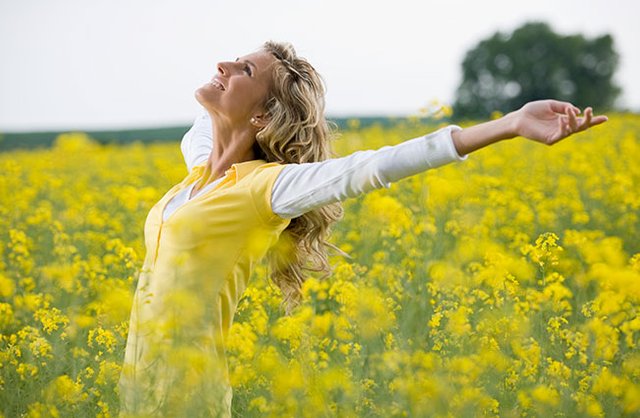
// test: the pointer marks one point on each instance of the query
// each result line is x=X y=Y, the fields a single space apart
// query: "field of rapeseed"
x=507 y=285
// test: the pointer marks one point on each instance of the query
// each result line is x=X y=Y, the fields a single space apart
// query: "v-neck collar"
x=189 y=189
x=236 y=172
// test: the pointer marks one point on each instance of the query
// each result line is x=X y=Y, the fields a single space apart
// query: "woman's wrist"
x=513 y=124
x=479 y=136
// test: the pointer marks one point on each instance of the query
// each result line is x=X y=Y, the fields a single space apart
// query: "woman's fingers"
x=588 y=113
x=573 y=123
x=598 y=120
x=564 y=126
x=593 y=120
x=561 y=107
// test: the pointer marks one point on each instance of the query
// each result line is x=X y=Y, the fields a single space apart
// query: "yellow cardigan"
x=196 y=269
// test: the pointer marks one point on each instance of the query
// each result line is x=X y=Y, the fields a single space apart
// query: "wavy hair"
x=297 y=132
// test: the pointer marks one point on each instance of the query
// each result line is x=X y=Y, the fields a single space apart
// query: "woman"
x=264 y=178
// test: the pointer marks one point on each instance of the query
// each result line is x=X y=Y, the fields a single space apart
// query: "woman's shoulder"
x=255 y=169
x=262 y=167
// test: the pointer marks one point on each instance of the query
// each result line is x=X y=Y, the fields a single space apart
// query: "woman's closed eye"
x=246 y=68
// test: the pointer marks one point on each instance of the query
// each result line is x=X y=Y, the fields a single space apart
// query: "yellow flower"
x=290 y=328
x=371 y=312
x=546 y=251
x=27 y=371
x=608 y=383
x=606 y=338
x=74 y=142
x=64 y=389
x=241 y=341
x=102 y=338
x=260 y=404
x=631 y=399
x=546 y=395
x=530 y=354
x=289 y=380
x=321 y=324
x=268 y=360
x=108 y=373
x=7 y=286
x=6 y=315
x=51 y=319
x=42 y=410
x=458 y=323
x=434 y=322
x=558 y=370
x=386 y=214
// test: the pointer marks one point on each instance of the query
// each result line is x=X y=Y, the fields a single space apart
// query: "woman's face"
x=240 y=88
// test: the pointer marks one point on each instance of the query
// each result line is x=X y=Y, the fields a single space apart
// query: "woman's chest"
x=222 y=218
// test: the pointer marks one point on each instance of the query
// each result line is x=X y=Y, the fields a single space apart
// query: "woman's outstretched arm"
x=545 y=121
x=301 y=188
x=196 y=144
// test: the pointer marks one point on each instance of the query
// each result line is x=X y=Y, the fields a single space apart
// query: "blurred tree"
x=506 y=71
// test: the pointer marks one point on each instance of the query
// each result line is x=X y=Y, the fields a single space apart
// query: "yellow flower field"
x=506 y=285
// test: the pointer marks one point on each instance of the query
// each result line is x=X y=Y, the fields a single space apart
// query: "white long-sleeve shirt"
x=300 y=188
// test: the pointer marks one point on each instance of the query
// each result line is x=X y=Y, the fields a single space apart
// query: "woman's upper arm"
x=196 y=144
x=300 y=188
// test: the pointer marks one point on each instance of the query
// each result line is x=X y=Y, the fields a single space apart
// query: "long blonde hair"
x=297 y=132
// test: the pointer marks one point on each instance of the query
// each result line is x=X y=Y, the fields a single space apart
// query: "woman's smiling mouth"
x=217 y=84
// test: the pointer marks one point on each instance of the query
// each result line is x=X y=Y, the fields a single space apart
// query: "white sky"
x=88 y=64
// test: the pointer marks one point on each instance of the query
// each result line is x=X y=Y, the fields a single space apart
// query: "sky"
x=119 y=64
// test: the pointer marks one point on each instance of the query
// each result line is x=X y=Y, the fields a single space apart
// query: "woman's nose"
x=222 y=68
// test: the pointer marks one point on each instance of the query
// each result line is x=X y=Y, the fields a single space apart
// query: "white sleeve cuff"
x=439 y=147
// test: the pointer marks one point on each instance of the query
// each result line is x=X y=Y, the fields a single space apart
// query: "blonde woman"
x=261 y=173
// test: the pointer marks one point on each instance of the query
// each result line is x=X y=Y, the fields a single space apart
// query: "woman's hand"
x=549 y=121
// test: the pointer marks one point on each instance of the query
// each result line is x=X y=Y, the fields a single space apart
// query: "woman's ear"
x=259 y=120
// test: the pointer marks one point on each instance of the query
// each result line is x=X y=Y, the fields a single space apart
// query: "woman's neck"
x=231 y=145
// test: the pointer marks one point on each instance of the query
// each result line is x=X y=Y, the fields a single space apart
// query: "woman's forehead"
x=259 y=59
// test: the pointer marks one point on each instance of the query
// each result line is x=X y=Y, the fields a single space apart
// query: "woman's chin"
x=201 y=97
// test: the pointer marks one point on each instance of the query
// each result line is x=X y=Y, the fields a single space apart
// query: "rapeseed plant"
x=508 y=285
